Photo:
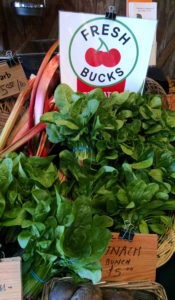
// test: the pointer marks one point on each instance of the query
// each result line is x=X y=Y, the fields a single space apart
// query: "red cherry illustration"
x=92 y=57
x=96 y=58
x=111 y=58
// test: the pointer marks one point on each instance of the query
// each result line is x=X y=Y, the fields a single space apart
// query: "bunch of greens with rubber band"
x=59 y=237
x=72 y=125
x=129 y=134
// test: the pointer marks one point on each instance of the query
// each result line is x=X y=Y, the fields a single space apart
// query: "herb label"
x=10 y=279
x=12 y=80
x=130 y=261
x=99 y=52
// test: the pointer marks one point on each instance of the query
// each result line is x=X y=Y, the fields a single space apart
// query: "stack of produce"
x=114 y=161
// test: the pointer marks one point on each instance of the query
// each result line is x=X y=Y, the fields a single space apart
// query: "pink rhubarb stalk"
x=38 y=77
x=20 y=133
x=27 y=137
x=44 y=143
x=43 y=86
x=22 y=98
x=19 y=127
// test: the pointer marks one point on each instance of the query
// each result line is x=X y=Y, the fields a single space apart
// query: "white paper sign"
x=99 y=52
x=145 y=10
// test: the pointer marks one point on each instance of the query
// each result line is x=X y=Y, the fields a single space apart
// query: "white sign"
x=99 y=52
x=145 y=10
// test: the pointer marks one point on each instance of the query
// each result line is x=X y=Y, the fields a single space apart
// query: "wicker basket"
x=154 y=87
x=148 y=286
x=166 y=247
x=153 y=287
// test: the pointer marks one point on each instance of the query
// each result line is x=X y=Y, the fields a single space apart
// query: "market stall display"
x=129 y=126
x=87 y=179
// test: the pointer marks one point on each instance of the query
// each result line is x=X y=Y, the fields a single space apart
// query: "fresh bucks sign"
x=98 y=52
x=104 y=48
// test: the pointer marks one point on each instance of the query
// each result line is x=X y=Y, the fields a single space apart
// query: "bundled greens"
x=58 y=236
x=116 y=166
x=127 y=146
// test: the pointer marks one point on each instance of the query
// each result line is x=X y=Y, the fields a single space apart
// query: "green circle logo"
x=103 y=52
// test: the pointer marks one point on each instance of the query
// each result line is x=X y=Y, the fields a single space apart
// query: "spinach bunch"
x=142 y=197
x=125 y=126
x=58 y=236
x=127 y=146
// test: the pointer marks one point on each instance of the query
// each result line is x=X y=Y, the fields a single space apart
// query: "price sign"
x=12 y=80
x=10 y=279
x=130 y=261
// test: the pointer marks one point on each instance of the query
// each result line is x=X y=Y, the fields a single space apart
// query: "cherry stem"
x=102 y=44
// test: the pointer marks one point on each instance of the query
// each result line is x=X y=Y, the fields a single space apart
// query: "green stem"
x=101 y=45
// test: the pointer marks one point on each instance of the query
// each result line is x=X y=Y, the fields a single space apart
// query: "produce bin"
x=31 y=54
x=137 y=290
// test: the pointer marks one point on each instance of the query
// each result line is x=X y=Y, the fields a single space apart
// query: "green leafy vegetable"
x=117 y=159
x=126 y=144
x=57 y=235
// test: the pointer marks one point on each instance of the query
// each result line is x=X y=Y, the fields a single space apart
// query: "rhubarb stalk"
x=23 y=130
x=43 y=86
x=15 y=114
x=27 y=137
x=20 y=128
x=44 y=143
x=38 y=77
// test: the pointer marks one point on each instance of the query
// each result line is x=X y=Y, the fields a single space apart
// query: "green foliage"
x=55 y=233
x=127 y=146
x=118 y=157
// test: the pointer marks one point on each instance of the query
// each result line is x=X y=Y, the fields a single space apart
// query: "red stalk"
x=22 y=98
x=43 y=86
x=37 y=80
x=49 y=103
x=27 y=137
x=46 y=149
x=43 y=140
x=18 y=127
x=44 y=143
x=20 y=133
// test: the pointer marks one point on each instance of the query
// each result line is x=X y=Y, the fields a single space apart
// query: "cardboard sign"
x=130 y=261
x=10 y=279
x=100 y=52
x=12 y=80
